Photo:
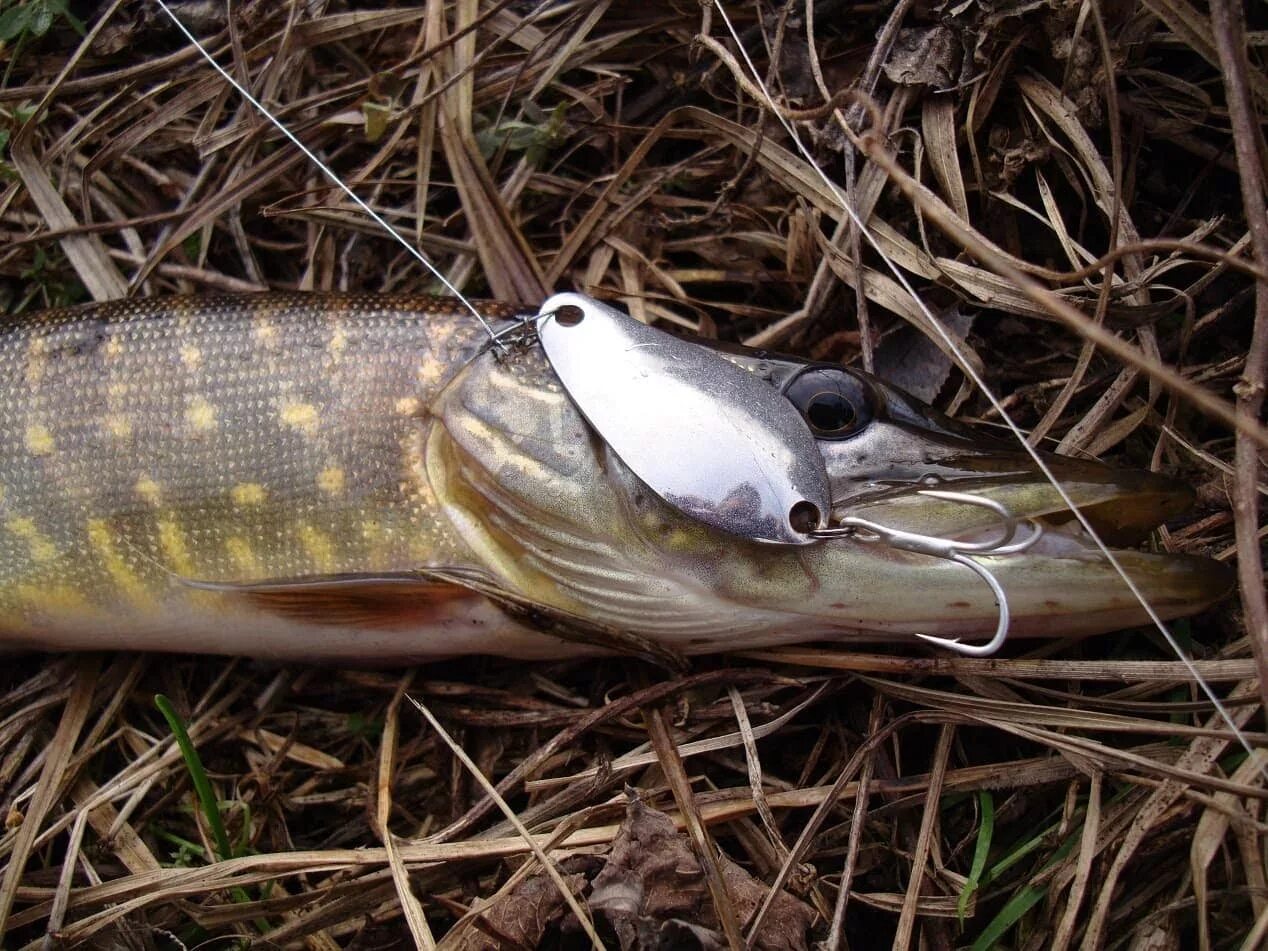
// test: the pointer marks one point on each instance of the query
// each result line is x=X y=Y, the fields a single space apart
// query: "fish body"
x=145 y=444
x=362 y=478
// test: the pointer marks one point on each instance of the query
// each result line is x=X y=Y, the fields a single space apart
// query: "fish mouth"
x=1122 y=506
x=1063 y=583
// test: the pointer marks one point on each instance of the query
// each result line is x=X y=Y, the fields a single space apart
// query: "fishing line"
x=973 y=375
x=329 y=172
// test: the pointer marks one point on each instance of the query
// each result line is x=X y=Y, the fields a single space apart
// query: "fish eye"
x=834 y=402
x=830 y=412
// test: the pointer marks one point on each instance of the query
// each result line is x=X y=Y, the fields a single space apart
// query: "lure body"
x=283 y=476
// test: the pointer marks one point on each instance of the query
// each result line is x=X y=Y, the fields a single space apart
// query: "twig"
x=706 y=851
x=857 y=820
x=548 y=864
x=1230 y=40
x=51 y=778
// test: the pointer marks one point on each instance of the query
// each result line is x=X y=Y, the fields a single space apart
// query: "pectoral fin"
x=397 y=600
x=380 y=602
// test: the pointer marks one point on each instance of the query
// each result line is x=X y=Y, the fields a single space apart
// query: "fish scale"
x=228 y=438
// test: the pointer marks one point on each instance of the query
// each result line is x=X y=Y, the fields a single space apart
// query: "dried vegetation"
x=1074 y=794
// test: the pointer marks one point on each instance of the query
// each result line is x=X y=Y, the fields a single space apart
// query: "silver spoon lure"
x=722 y=446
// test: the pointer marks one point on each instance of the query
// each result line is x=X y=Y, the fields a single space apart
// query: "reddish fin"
x=383 y=601
x=412 y=598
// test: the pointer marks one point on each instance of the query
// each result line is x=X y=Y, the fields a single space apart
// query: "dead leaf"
x=785 y=925
x=926 y=56
x=521 y=917
x=653 y=892
x=650 y=893
x=651 y=877
x=911 y=361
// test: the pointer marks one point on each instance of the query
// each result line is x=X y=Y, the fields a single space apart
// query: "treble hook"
x=950 y=549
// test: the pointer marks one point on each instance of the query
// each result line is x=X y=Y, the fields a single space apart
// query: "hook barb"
x=1001 y=629
x=951 y=549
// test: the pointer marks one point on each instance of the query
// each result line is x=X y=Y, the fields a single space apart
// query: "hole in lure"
x=805 y=517
x=569 y=316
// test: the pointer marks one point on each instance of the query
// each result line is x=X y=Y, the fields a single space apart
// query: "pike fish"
x=363 y=479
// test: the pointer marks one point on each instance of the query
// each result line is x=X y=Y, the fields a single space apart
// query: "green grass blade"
x=986 y=805
x=1024 y=898
x=202 y=785
x=1009 y=915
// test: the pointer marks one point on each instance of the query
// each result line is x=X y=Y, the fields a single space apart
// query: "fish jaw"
x=888 y=473
x=1063 y=584
x=1060 y=587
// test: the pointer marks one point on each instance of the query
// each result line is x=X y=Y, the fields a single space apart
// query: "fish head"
x=892 y=460
x=547 y=508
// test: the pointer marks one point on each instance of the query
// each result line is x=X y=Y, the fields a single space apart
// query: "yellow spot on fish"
x=191 y=356
x=52 y=598
x=378 y=538
x=318 y=546
x=265 y=333
x=172 y=541
x=338 y=343
x=102 y=539
x=243 y=556
x=301 y=416
x=430 y=372
x=200 y=415
x=116 y=390
x=39 y=441
x=678 y=540
x=36 y=360
x=41 y=548
x=330 y=480
x=149 y=490
x=408 y=406
x=247 y=493
x=118 y=425
x=114 y=347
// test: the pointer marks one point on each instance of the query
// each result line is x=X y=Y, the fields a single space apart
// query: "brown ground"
x=1065 y=795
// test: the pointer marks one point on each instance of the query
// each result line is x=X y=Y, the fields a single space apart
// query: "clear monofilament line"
x=329 y=172
x=973 y=375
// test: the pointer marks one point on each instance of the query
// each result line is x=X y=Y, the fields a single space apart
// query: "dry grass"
x=1078 y=149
